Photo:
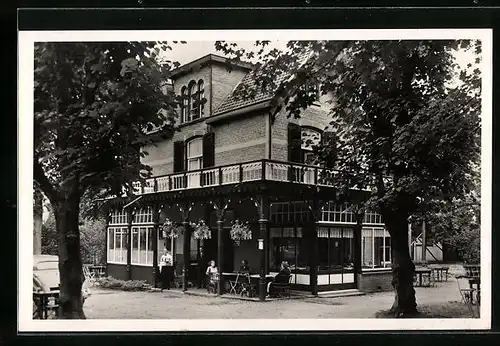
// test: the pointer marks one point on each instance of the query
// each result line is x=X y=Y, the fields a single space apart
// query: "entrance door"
x=335 y=252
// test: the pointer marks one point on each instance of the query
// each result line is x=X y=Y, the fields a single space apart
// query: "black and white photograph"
x=255 y=180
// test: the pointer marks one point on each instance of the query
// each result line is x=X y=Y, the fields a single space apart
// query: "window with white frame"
x=201 y=98
x=310 y=138
x=194 y=153
x=185 y=103
x=372 y=218
x=193 y=101
x=375 y=248
x=142 y=245
x=338 y=213
x=117 y=245
x=288 y=212
x=143 y=215
x=118 y=217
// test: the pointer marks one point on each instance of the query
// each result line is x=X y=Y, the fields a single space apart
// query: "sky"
x=192 y=50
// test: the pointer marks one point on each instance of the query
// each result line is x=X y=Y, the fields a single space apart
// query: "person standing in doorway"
x=166 y=266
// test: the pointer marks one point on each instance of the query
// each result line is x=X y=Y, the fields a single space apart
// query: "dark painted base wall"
x=142 y=273
x=119 y=271
x=375 y=281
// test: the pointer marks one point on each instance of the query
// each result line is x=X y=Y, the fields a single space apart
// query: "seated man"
x=282 y=277
x=244 y=267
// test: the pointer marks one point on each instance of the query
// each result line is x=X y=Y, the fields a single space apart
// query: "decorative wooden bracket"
x=156 y=213
x=220 y=207
x=185 y=209
x=262 y=204
x=316 y=207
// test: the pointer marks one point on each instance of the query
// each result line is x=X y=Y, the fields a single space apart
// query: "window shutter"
x=178 y=156
x=208 y=149
x=329 y=139
x=294 y=143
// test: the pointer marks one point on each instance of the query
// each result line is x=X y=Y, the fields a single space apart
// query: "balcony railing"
x=262 y=170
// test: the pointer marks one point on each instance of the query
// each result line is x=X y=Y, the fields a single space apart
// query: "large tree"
x=406 y=122
x=93 y=103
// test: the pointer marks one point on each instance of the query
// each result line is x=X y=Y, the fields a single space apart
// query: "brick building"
x=230 y=160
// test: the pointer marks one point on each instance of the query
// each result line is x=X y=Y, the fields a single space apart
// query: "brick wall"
x=242 y=138
x=223 y=83
x=161 y=154
x=375 y=281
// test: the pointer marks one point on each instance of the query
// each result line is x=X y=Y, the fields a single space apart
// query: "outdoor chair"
x=89 y=276
x=470 y=296
x=282 y=290
x=213 y=282
x=247 y=287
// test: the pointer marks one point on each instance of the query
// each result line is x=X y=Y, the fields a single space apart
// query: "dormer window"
x=193 y=96
x=193 y=101
x=184 y=107
x=201 y=98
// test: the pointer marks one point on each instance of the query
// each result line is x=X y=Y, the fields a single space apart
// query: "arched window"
x=193 y=104
x=184 y=107
x=309 y=138
x=194 y=154
x=201 y=98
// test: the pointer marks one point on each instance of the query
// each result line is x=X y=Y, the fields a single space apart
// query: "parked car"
x=46 y=275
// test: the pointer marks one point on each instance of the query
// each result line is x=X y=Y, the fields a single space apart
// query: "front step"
x=340 y=293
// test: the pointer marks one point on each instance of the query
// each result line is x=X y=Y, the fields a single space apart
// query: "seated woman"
x=282 y=277
x=244 y=267
x=212 y=277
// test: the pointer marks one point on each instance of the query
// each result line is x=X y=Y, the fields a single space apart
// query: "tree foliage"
x=94 y=103
x=406 y=119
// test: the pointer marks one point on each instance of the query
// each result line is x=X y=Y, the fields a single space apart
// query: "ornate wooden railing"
x=261 y=170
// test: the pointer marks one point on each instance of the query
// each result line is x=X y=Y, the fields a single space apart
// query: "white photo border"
x=26 y=41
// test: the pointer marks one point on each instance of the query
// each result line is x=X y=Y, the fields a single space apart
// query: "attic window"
x=193 y=101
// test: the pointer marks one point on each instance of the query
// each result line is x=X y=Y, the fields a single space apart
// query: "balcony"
x=261 y=170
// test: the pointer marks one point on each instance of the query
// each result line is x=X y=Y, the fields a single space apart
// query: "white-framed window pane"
x=135 y=245
x=111 y=245
x=367 y=247
x=194 y=148
x=194 y=164
x=149 y=253
x=142 y=245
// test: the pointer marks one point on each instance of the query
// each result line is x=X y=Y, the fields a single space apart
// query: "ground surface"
x=110 y=304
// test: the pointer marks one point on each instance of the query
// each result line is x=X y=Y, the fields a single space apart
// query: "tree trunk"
x=70 y=262
x=37 y=221
x=403 y=269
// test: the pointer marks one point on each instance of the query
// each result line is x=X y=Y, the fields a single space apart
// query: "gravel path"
x=107 y=304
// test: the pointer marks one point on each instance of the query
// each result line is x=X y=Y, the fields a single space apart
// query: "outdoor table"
x=441 y=273
x=420 y=273
x=233 y=286
x=42 y=300
x=98 y=270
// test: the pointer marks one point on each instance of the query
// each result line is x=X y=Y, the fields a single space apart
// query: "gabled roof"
x=234 y=101
x=186 y=68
